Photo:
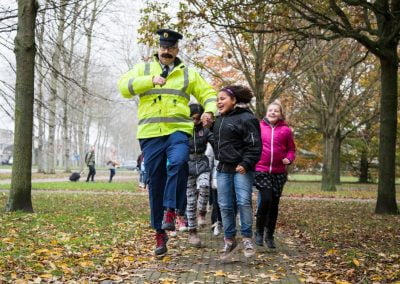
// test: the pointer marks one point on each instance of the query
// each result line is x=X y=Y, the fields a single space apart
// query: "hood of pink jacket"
x=278 y=143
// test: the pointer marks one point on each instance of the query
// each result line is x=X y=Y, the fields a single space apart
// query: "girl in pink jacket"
x=278 y=151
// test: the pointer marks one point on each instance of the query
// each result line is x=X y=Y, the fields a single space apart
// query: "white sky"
x=116 y=27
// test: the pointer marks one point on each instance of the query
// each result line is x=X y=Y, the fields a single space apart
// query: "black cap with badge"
x=168 y=37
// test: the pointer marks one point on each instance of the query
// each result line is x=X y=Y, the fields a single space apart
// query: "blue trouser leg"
x=162 y=179
x=181 y=201
x=156 y=172
x=178 y=155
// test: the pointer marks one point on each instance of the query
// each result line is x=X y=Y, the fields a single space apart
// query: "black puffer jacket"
x=237 y=140
x=198 y=161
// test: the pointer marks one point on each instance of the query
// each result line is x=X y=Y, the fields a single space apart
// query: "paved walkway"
x=184 y=264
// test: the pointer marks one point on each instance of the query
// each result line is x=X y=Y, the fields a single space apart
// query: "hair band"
x=228 y=91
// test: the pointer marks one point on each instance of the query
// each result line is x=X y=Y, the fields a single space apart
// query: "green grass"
x=318 y=178
x=129 y=185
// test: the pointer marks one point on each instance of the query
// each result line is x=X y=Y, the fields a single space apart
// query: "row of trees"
x=276 y=48
x=322 y=59
x=70 y=102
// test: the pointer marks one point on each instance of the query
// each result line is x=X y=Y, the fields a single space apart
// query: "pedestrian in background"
x=90 y=160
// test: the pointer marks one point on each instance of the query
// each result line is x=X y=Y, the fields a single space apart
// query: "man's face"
x=167 y=54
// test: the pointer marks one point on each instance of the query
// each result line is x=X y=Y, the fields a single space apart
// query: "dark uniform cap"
x=168 y=37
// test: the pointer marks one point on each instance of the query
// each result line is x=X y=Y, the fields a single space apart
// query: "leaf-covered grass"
x=74 y=237
x=344 y=190
x=343 y=241
x=128 y=185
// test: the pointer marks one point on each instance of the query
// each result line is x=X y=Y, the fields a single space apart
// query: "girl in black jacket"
x=198 y=184
x=237 y=146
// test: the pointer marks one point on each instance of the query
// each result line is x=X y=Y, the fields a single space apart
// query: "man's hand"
x=207 y=119
x=158 y=80
x=240 y=169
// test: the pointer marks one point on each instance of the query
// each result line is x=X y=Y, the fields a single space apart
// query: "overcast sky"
x=116 y=28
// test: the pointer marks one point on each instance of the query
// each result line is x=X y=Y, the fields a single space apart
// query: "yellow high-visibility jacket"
x=164 y=110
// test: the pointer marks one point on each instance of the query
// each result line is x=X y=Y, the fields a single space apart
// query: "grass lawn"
x=62 y=174
x=129 y=185
x=342 y=241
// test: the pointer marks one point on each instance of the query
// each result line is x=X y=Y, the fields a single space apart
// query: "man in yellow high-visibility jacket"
x=164 y=87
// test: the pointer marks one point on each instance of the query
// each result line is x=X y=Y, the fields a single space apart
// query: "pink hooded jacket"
x=278 y=143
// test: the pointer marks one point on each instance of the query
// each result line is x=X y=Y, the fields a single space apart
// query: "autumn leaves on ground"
x=93 y=237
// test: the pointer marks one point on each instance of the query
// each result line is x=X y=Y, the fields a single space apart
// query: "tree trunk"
x=20 y=194
x=66 y=92
x=336 y=157
x=386 y=202
x=40 y=99
x=53 y=89
x=81 y=134
x=328 y=172
x=364 y=167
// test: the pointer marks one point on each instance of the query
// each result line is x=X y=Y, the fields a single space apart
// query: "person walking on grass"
x=278 y=152
x=198 y=184
x=237 y=147
x=90 y=159
x=164 y=87
x=112 y=167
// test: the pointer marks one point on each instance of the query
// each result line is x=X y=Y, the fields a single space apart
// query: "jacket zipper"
x=272 y=148
x=219 y=135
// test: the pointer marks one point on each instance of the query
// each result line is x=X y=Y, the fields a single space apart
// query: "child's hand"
x=207 y=119
x=239 y=169
x=286 y=161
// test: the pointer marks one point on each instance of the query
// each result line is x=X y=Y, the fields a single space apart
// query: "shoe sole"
x=161 y=254
x=228 y=257
x=168 y=227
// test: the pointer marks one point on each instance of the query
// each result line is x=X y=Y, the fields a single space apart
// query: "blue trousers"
x=166 y=180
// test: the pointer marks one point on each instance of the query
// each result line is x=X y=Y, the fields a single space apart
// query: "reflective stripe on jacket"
x=164 y=110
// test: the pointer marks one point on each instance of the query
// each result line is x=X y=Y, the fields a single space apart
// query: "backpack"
x=75 y=176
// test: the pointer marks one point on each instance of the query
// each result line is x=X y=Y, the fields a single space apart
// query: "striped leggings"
x=197 y=197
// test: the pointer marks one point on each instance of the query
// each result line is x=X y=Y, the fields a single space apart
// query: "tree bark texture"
x=328 y=172
x=386 y=202
x=25 y=50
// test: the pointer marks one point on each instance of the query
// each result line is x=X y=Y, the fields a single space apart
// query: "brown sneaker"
x=229 y=249
x=194 y=239
x=248 y=247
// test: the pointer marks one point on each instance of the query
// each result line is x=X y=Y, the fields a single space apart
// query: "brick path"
x=184 y=264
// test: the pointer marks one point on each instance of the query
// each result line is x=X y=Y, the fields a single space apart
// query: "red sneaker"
x=161 y=247
x=181 y=223
x=169 y=220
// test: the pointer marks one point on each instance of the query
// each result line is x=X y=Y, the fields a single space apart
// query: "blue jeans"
x=237 y=186
x=167 y=182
